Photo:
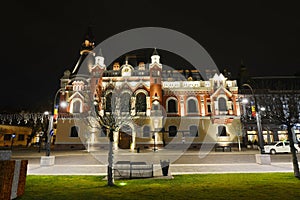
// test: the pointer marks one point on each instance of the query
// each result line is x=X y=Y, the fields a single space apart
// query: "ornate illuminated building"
x=156 y=104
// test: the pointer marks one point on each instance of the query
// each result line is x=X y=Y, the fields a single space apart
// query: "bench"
x=223 y=148
x=127 y=169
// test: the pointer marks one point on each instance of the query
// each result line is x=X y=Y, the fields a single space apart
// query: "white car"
x=280 y=147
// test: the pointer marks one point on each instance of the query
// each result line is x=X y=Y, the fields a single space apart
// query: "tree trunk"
x=293 y=151
x=110 y=175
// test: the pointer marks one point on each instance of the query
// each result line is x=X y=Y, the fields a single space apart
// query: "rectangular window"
x=208 y=108
x=222 y=131
x=21 y=137
x=74 y=131
x=146 y=132
x=7 y=137
x=172 y=131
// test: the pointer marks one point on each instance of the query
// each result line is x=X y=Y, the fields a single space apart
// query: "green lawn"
x=201 y=186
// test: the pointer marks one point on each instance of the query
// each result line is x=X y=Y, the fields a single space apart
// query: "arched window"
x=192 y=106
x=193 y=131
x=126 y=129
x=108 y=102
x=140 y=103
x=172 y=131
x=74 y=131
x=125 y=102
x=146 y=131
x=222 y=131
x=222 y=104
x=76 y=106
x=172 y=106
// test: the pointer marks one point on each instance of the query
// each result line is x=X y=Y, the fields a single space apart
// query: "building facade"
x=12 y=135
x=155 y=106
x=278 y=102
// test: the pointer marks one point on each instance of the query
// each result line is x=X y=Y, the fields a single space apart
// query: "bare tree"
x=109 y=124
x=290 y=118
x=285 y=110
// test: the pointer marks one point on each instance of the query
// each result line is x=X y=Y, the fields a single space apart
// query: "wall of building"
x=22 y=133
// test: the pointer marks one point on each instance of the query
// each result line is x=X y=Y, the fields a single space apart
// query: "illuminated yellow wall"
x=19 y=140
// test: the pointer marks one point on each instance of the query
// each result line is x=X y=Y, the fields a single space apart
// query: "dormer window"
x=141 y=66
x=116 y=66
x=207 y=84
x=126 y=71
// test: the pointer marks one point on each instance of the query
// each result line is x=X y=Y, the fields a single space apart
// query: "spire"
x=88 y=42
x=155 y=57
x=155 y=52
x=89 y=34
x=99 y=59
x=243 y=76
x=242 y=63
x=100 y=53
x=87 y=47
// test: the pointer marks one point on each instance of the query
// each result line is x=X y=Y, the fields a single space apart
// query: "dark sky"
x=41 y=39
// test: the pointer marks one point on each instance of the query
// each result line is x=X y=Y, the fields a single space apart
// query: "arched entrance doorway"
x=125 y=137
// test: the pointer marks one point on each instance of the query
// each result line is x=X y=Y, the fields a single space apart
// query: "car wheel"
x=273 y=152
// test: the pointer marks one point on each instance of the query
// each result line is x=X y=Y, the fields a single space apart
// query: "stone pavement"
x=65 y=164
x=175 y=169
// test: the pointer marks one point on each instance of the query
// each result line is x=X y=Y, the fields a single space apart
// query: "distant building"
x=157 y=105
x=14 y=135
x=274 y=95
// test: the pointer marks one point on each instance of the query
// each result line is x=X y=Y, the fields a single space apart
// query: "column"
x=181 y=105
x=148 y=111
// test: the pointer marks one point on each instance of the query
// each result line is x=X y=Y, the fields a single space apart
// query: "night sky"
x=41 y=39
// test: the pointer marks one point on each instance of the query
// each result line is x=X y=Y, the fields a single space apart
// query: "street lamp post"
x=50 y=130
x=154 y=143
x=49 y=160
x=258 y=121
x=12 y=140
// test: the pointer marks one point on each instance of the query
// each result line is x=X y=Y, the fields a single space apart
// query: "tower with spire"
x=155 y=69
x=86 y=53
x=243 y=75
x=96 y=72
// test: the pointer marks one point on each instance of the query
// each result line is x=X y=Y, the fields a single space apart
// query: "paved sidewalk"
x=83 y=163
x=175 y=169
